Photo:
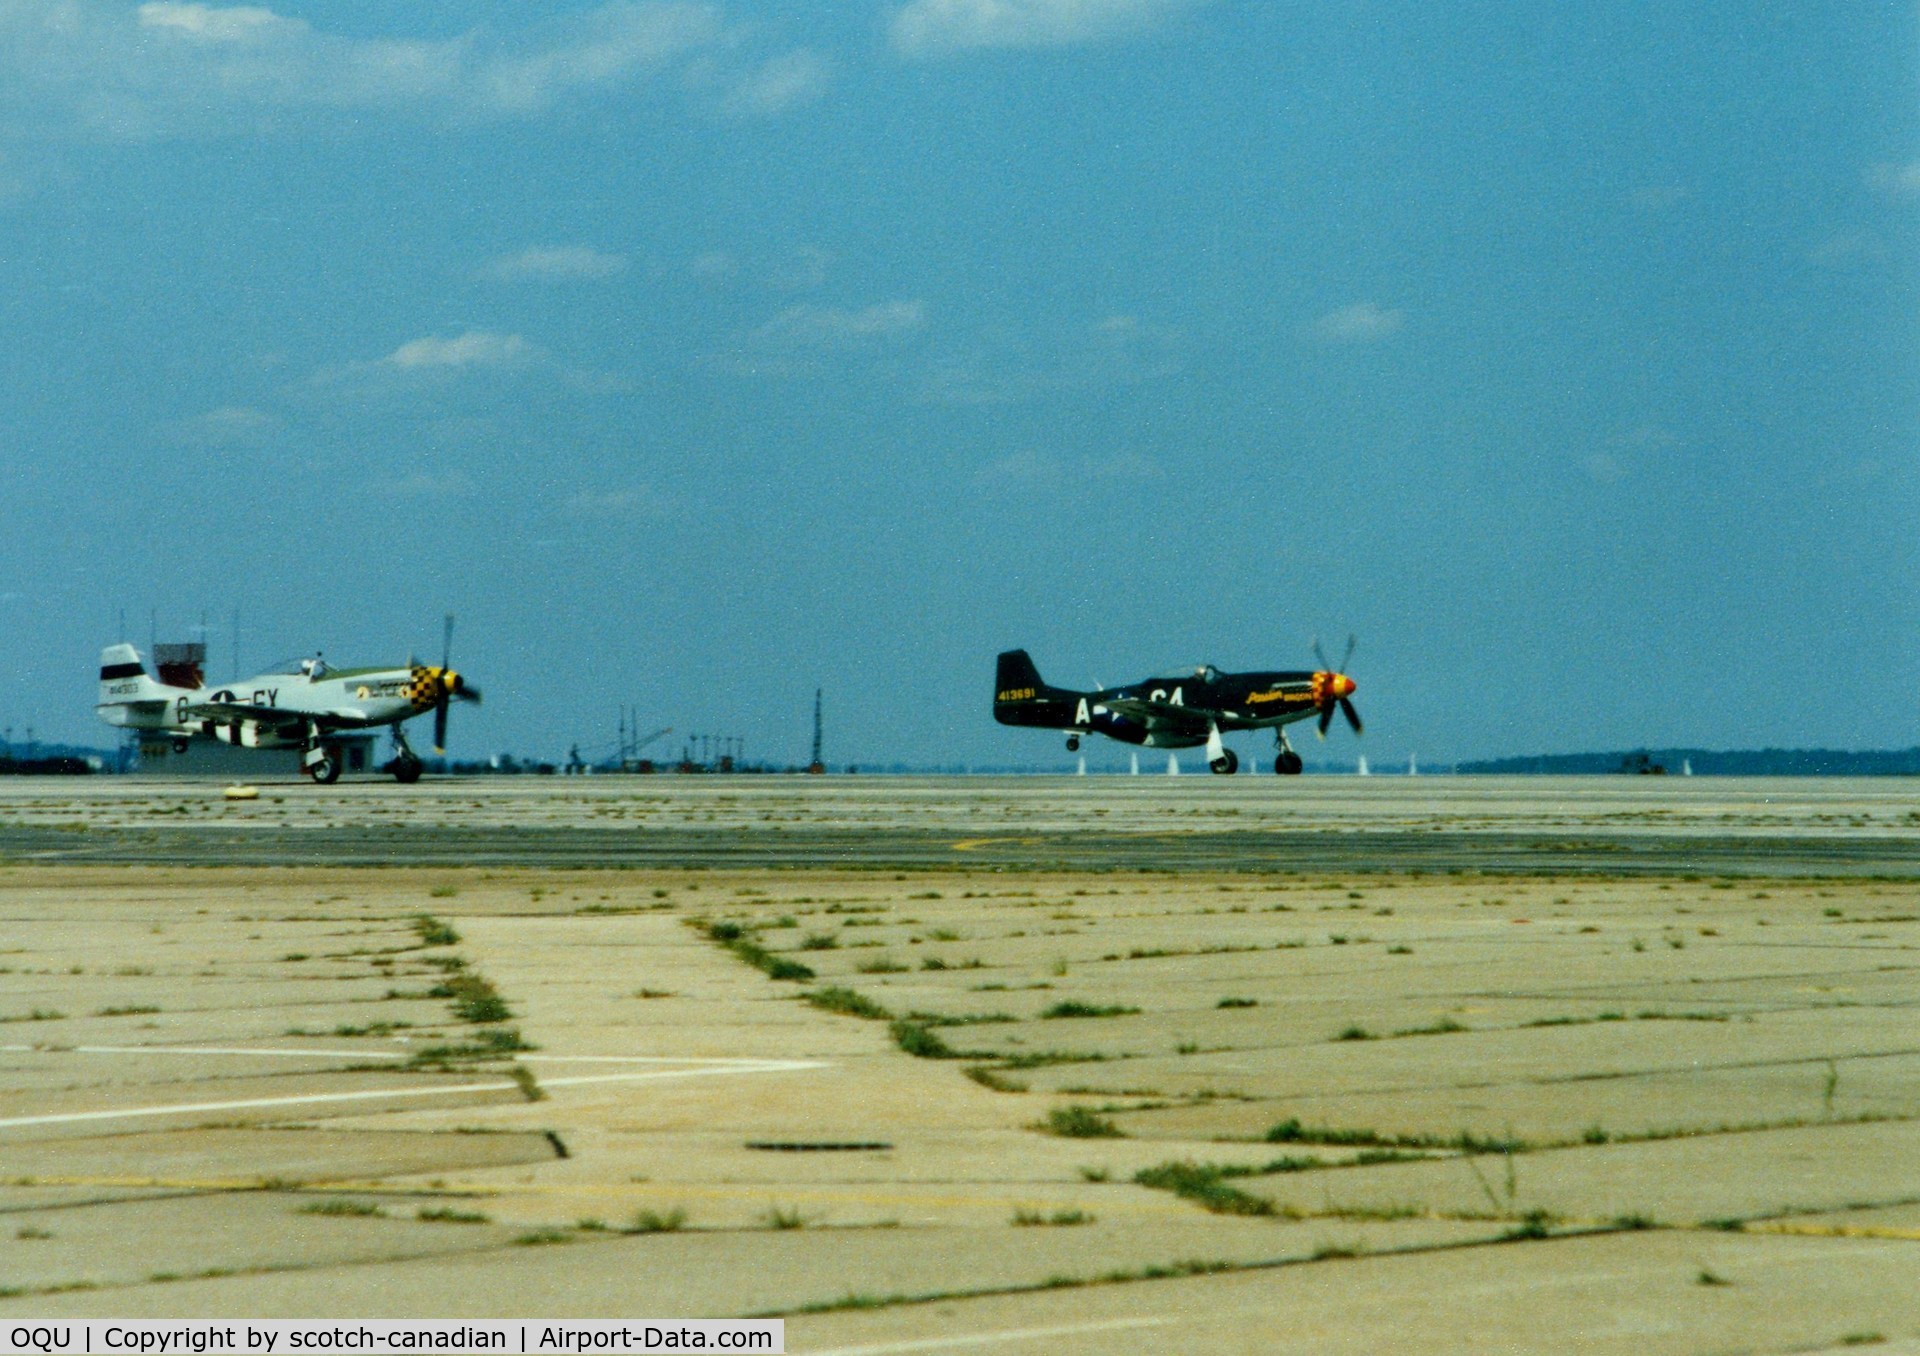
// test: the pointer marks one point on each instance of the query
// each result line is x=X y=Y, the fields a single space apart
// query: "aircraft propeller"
x=1338 y=686
x=451 y=685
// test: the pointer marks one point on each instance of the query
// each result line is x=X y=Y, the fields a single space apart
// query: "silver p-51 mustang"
x=298 y=705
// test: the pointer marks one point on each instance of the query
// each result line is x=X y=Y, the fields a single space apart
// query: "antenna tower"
x=815 y=765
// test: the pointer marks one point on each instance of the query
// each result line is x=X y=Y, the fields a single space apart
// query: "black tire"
x=1073 y=743
x=326 y=772
x=1226 y=764
x=407 y=771
x=1288 y=764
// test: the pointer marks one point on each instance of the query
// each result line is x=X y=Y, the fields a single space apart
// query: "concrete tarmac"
x=1034 y=1065
x=1556 y=826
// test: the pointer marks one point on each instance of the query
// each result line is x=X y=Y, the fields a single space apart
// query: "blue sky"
x=700 y=354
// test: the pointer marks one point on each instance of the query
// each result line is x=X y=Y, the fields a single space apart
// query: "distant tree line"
x=1712 y=763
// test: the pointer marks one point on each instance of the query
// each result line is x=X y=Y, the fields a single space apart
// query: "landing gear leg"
x=1220 y=758
x=1288 y=763
x=406 y=766
x=320 y=762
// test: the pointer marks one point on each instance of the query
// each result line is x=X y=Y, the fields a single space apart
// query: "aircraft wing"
x=1162 y=715
x=274 y=715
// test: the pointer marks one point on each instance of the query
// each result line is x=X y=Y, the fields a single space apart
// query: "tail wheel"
x=1226 y=764
x=327 y=771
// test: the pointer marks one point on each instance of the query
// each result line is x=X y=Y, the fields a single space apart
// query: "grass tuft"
x=1077 y=1122
x=1070 y=1008
x=658 y=1221
x=847 y=1002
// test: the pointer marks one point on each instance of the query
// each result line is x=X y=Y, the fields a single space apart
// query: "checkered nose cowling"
x=428 y=687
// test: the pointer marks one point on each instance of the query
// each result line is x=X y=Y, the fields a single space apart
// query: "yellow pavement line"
x=1834 y=1231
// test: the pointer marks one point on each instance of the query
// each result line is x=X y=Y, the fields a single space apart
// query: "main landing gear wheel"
x=326 y=771
x=1288 y=764
x=407 y=771
x=1226 y=764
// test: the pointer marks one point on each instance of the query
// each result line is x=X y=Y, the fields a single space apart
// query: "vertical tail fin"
x=1016 y=673
x=128 y=694
x=1022 y=697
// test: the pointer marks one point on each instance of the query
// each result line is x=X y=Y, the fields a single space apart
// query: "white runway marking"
x=983 y=1339
x=703 y=1068
x=723 y=1061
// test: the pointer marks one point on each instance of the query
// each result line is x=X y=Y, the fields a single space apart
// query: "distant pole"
x=815 y=764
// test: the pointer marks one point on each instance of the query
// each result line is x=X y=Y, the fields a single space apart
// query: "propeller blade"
x=1326 y=718
x=1352 y=640
x=440 y=727
x=446 y=643
x=1353 y=716
x=468 y=692
x=1321 y=655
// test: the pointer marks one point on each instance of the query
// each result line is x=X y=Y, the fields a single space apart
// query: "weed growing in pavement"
x=658 y=1221
x=357 y=1209
x=432 y=931
x=448 y=1215
x=918 y=1040
x=1205 y=1184
x=1070 y=1008
x=537 y=1238
x=1029 y=1218
x=1446 y=1026
x=991 y=1078
x=1077 y=1122
x=847 y=1002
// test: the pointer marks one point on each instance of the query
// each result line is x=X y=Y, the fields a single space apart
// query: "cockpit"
x=311 y=667
x=1205 y=673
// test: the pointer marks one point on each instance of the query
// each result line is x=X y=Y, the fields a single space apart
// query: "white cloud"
x=1007 y=368
x=241 y=23
x=782 y=83
x=1604 y=468
x=832 y=326
x=1364 y=322
x=556 y=263
x=475 y=348
x=228 y=426
x=934 y=28
x=1902 y=181
x=172 y=68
